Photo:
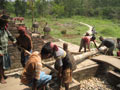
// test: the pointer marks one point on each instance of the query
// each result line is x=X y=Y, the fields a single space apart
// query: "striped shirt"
x=32 y=69
x=5 y=35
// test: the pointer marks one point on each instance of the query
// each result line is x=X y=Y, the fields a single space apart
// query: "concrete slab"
x=86 y=63
x=108 y=59
x=113 y=77
x=85 y=69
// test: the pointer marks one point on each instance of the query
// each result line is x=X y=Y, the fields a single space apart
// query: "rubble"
x=95 y=83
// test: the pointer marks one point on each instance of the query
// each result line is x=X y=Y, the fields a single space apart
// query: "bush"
x=64 y=31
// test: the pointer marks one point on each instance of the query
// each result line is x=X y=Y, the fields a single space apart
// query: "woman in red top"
x=24 y=41
x=85 y=42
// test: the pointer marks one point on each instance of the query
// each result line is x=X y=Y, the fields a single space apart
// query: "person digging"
x=85 y=42
x=109 y=43
x=32 y=75
x=62 y=63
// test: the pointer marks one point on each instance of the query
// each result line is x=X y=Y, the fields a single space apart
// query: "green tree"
x=10 y=7
x=23 y=7
x=58 y=10
x=17 y=6
x=3 y=4
x=20 y=7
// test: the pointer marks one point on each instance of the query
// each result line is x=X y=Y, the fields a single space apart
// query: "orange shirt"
x=32 y=69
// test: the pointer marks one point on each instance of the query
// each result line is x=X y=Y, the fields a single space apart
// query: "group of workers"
x=32 y=64
x=109 y=43
x=22 y=41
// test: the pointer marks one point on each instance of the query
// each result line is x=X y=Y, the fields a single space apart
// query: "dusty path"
x=89 y=26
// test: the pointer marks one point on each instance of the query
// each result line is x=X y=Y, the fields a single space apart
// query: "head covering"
x=87 y=34
x=54 y=46
x=4 y=18
x=3 y=22
x=22 y=28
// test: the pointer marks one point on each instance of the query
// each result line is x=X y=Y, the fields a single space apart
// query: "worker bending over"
x=62 y=64
x=85 y=42
x=32 y=74
x=109 y=43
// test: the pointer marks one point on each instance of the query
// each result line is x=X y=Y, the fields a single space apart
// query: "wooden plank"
x=109 y=60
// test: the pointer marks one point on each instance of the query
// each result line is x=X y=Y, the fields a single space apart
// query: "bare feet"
x=3 y=81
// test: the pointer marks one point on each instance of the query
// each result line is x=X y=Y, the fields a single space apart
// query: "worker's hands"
x=14 y=44
x=98 y=49
x=25 y=53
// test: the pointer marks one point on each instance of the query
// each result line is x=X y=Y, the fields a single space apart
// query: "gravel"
x=95 y=83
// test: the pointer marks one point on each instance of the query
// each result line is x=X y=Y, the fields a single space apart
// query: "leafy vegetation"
x=63 y=8
x=65 y=15
x=74 y=30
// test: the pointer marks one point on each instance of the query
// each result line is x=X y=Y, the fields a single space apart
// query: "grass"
x=73 y=28
x=106 y=28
